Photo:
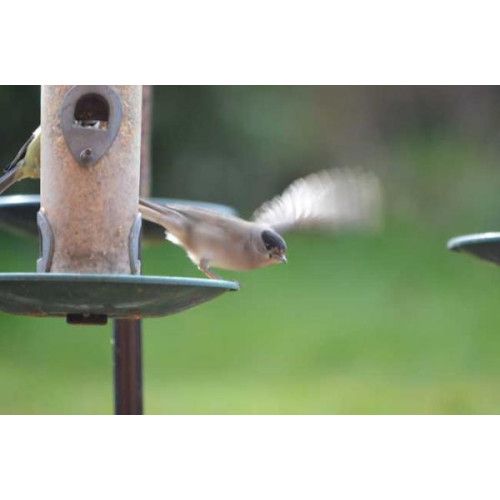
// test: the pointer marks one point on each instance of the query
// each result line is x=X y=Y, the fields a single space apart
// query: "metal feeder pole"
x=90 y=178
x=127 y=338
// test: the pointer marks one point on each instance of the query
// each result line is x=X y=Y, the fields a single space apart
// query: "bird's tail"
x=163 y=215
x=9 y=178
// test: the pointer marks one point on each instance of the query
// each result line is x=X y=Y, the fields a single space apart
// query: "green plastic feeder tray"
x=90 y=298
x=18 y=214
x=485 y=246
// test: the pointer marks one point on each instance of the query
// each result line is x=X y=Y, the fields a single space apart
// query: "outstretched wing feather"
x=347 y=197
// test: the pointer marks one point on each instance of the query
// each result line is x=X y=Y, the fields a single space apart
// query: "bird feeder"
x=89 y=225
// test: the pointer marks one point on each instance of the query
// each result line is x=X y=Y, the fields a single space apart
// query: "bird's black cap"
x=273 y=240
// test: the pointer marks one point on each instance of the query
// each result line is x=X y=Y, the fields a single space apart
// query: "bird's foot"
x=203 y=267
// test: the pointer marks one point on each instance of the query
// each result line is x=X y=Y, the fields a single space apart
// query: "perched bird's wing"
x=331 y=199
x=25 y=164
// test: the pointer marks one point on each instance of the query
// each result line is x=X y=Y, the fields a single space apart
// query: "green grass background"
x=386 y=323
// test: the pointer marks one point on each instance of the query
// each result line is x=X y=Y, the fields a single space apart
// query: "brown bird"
x=334 y=199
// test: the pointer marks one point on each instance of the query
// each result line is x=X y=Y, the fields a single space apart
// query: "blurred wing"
x=329 y=199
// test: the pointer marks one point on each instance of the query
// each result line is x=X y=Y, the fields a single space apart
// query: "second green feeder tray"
x=18 y=214
x=485 y=246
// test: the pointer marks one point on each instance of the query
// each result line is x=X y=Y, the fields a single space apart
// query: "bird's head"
x=273 y=247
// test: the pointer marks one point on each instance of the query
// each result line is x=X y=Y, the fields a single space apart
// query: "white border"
x=249 y=457
x=272 y=42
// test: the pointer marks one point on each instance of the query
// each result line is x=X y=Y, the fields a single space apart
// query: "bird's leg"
x=203 y=267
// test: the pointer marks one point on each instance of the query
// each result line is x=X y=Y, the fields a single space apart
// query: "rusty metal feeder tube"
x=90 y=158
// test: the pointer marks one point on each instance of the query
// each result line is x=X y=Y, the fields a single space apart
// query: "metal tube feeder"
x=89 y=226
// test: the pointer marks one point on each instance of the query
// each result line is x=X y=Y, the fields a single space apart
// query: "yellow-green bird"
x=26 y=164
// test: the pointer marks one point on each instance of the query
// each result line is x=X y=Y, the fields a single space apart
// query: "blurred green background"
x=356 y=323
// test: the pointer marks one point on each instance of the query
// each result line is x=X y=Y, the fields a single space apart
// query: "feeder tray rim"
x=122 y=278
x=22 y=199
x=460 y=241
x=18 y=199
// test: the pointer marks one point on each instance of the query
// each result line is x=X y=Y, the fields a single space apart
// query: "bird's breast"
x=222 y=248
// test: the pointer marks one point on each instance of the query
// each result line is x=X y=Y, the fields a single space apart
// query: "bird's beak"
x=283 y=259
